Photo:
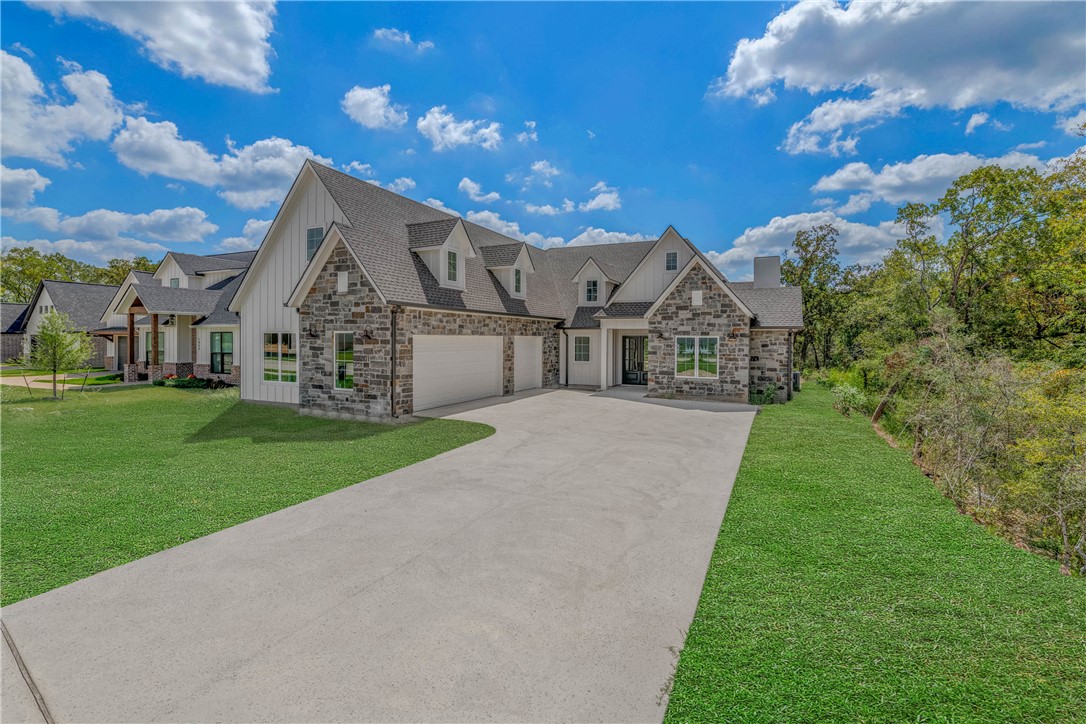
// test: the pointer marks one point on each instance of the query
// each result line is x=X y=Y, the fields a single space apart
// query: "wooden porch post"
x=131 y=338
x=154 y=340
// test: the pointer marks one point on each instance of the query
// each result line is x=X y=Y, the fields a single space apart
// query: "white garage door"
x=527 y=363
x=456 y=369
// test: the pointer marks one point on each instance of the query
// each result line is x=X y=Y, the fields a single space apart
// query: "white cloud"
x=920 y=55
x=606 y=199
x=38 y=124
x=372 y=108
x=592 y=235
x=18 y=186
x=20 y=48
x=393 y=37
x=250 y=238
x=183 y=224
x=440 y=206
x=1036 y=145
x=529 y=133
x=549 y=210
x=924 y=178
x=443 y=131
x=975 y=121
x=591 y=135
x=225 y=43
x=248 y=177
x=540 y=172
x=92 y=251
x=856 y=242
x=1072 y=125
x=359 y=169
x=475 y=191
x=401 y=185
x=492 y=220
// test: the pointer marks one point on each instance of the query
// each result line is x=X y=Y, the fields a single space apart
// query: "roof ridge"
x=63 y=281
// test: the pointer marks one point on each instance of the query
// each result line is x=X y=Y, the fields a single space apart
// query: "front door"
x=634 y=351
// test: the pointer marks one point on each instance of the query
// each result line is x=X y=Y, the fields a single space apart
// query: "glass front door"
x=634 y=352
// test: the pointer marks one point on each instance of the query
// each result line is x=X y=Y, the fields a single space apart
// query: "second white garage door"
x=527 y=363
x=455 y=369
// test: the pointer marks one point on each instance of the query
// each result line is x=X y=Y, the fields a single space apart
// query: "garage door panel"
x=527 y=363
x=451 y=369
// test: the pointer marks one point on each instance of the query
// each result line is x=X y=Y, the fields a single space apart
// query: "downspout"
x=392 y=387
x=566 y=333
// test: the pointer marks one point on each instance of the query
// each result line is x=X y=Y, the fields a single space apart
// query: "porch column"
x=154 y=340
x=605 y=349
x=131 y=338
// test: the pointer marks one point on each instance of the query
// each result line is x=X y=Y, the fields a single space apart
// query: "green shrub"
x=847 y=398
x=159 y=383
x=190 y=383
x=764 y=398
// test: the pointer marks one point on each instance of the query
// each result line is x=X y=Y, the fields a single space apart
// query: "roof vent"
x=767 y=272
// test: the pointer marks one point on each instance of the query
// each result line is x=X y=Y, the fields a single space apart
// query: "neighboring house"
x=363 y=303
x=177 y=318
x=83 y=303
x=12 y=317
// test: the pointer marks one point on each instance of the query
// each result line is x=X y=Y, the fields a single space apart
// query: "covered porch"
x=624 y=352
x=159 y=336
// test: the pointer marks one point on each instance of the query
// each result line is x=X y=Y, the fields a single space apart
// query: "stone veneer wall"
x=360 y=310
x=769 y=356
x=718 y=316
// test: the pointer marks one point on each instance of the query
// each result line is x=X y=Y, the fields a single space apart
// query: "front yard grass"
x=111 y=475
x=845 y=587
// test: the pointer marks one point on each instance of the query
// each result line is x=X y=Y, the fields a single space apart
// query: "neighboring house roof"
x=173 y=300
x=220 y=315
x=143 y=277
x=772 y=306
x=12 y=318
x=196 y=264
x=83 y=303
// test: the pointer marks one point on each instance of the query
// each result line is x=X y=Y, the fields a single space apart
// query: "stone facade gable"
x=718 y=316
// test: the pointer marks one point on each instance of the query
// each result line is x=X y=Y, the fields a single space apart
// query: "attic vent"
x=695 y=298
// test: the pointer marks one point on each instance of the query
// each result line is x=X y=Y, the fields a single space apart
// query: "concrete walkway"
x=547 y=573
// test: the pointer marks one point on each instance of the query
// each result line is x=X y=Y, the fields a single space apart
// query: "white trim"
x=297 y=358
x=587 y=339
x=316 y=265
x=596 y=289
x=697 y=357
x=335 y=362
x=598 y=268
x=696 y=260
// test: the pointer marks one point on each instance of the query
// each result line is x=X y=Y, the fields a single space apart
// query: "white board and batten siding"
x=274 y=276
x=584 y=373
x=451 y=369
x=649 y=282
x=527 y=363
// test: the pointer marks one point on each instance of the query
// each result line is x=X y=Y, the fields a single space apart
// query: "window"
x=344 y=346
x=280 y=357
x=696 y=357
x=518 y=284
x=313 y=240
x=671 y=261
x=581 y=347
x=591 y=290
x=161 y=349
x=175 y=282
x=451 y=273
x=222 y=352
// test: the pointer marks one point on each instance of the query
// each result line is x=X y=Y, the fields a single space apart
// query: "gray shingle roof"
x=774 y=307
x=83 y=303
x=144 y=277
x=626 y=309
x=584 y=318
x=12 y=317
x=195 y=264
x=171 y=300
x=429 y=233
x=220 y=314
x=501 y=254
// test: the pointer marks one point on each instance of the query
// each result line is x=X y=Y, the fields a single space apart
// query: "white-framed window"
x=313 y=237
x=582 y=347
x=280 y=357
x=671 y=261
x=696 y=356
x=343 y=347
x=222 y=352
x=591 y=290
x=175 y=282
x=518 y=282
x=451 y=273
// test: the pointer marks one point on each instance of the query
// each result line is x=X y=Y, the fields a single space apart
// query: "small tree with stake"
x=57 y=347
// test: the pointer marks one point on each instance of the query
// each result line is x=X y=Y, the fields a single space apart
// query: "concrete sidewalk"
x=546 y=573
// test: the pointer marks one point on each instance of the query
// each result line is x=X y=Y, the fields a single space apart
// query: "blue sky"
x=139 y=127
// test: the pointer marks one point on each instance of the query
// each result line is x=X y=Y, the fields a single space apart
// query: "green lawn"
x=15 y=371
x=111 y=475
x=844 y=587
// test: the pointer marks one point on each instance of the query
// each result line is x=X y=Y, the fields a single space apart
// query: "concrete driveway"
x=547 y=573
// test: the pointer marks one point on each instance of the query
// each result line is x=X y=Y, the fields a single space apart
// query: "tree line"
x=22 y=267
x=967 y=345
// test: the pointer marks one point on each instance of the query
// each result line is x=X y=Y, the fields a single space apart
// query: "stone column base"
x=154 y=372
x=181 y=369
x=131 y=373
x=109 y=363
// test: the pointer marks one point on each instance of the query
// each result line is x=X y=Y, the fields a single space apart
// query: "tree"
x=117 y=269
x=57 y=346
x=22 y=267
x=824 y=283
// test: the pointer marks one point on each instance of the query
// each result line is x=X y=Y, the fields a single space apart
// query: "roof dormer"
x=511 y=264
x=443 y=246
x=595 y=282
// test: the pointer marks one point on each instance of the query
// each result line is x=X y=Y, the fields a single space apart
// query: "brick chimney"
x=767 y=272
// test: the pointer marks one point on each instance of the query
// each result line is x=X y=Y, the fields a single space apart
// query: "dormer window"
x=591 y=290
x=451 y=273
x=518 y=282
x=671 y=261
x=175 y=282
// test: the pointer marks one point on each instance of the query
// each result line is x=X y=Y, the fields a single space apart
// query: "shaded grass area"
x=845 y=587
x=15 y=371
x=111 y=475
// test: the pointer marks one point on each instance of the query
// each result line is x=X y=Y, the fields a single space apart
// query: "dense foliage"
x=22 y=267
x=968 y=343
